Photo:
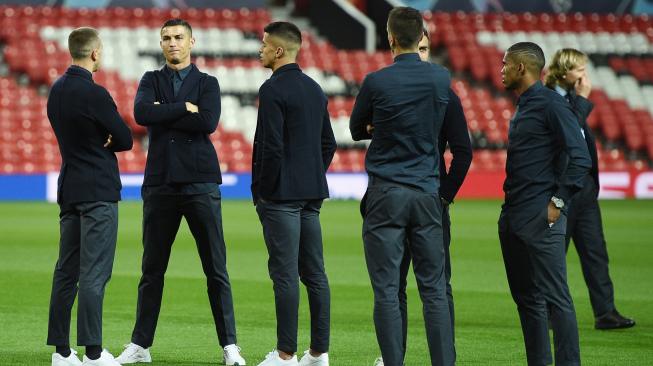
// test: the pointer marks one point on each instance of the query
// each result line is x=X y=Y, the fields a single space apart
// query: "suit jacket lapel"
x=163 y=87
x=190 y=82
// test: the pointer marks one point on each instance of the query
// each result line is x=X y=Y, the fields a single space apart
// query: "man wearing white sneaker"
x=293 y=147
x=180 y=106
x=89 y=131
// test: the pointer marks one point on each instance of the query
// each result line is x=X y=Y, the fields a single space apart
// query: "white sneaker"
x=71 y=360
x=106 y=359
x=232 y=356
x=378 y=361
x=309 y=360
x=273 y=359
x=134 y=353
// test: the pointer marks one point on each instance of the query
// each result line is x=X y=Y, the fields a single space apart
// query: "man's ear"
x=192 y=42
x=521 y=68
x=279 y=52
x=391 y=41
x=94 y=54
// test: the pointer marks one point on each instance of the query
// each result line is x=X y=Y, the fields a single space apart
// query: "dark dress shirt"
x=406 y=103
x=543 y=128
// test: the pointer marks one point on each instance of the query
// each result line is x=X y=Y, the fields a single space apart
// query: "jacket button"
x=172 y=140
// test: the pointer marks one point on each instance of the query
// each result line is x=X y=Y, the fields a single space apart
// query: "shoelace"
x=232 y=351
x=134 y=349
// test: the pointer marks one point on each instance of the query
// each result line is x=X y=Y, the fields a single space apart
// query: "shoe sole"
x=133 y=362
x=614 y=327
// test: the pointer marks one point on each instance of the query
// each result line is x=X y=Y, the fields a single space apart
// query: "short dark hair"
x=284 y=30
x=82 y=41
x=528 y=53
x=406 y=26
x=177 y=21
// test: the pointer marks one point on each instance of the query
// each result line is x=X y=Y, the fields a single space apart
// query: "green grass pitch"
x=487 y=325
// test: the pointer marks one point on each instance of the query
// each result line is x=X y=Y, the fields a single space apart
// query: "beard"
x=509 y=85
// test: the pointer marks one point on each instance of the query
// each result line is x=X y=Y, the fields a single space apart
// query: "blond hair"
x=563 y=61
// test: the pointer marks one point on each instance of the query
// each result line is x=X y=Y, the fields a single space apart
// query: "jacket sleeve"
x=106 y=113
x=583 y=107
x=455 y=132
x=271 y=107
x=328 y=140
x=361 y=115
x=206 y=120
x=147 y=113
x=564 y=122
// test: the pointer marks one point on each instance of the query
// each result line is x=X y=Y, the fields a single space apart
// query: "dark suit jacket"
x=583 y=107
x=294 y=142
x=83 y=115
x=180 y=150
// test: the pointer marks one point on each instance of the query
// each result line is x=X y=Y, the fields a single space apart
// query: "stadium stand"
x=33 y=41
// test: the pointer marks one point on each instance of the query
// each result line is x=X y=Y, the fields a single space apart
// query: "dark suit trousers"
x=161 y=218
x=534 y=257
x=394 y=215
x=86 y=251
x=405 y=266
x=586 y=229
x=293 y=237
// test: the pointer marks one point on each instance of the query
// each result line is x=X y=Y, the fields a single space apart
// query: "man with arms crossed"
x=89 y=131
x=180 y=106
x=533 y=217
x=293 y=147
x=567 y=74
x=406 y=104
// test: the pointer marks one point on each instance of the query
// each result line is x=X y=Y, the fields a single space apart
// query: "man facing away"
x=455 y=134
x=406 y=104
x=180 y=106
x=89 y=131
x=533 y=217
x=293 y=147
x=567 y=74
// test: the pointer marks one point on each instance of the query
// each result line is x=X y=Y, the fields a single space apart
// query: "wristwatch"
x=558 y=202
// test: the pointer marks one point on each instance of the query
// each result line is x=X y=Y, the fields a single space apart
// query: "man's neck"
x=179 y=66
x=85 y=64
x=282 y=62
x=527 y=83
x=400 y=51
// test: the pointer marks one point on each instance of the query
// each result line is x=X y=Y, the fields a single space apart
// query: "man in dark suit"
x=89 y=131
x=293 y=147
x=180 y=106
x=533 y=217
x=567 y=75
x=406 y=103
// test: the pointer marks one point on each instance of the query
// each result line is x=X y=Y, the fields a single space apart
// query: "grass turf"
x=487 y=325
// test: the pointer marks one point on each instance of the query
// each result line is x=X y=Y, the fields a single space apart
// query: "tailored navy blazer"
x=179 y=147
x=83 y=115
x=583 y=107
x=294 y=142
